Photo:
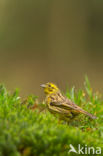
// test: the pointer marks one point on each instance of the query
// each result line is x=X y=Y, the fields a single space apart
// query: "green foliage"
x=31 y=132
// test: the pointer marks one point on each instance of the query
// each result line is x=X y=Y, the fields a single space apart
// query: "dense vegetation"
x=27 y=129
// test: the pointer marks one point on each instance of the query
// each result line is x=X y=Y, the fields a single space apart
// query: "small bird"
x=61 y=105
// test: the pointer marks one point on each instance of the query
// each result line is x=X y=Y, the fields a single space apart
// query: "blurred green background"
x=50 y=40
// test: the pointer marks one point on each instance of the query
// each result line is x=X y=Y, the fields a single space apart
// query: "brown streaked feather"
x=61 y=103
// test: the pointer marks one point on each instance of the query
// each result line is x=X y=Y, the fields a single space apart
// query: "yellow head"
x=50 y=88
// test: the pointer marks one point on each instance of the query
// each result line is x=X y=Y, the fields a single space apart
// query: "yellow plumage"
x=59 y=104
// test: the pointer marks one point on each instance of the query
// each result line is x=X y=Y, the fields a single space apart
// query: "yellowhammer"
x=59 y=104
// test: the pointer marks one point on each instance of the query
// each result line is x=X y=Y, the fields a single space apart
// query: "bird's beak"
x=43 y=85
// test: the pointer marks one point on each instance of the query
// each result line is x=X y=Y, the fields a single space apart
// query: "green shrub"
x=29 y=132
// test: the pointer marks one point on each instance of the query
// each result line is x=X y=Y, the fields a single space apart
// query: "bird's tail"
x=88 y=114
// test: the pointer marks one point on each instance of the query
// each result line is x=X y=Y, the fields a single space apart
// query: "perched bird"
x=61 y=105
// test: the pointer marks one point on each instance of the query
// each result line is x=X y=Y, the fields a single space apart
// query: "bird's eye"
x=49 y=85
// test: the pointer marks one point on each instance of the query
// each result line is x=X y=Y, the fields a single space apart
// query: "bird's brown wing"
x=69 y=105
